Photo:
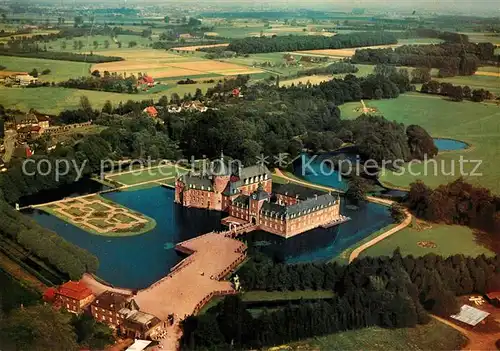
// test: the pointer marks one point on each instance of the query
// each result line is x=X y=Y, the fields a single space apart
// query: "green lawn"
x=258 y=295
x=449 y=240
x=433 y=336
x=60 y=70
x=146 y=175
x=475 y=123
x=53 y=100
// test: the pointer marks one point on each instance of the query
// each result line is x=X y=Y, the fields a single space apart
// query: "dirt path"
x=381 y=237
x=488 y=74
x=21 y=274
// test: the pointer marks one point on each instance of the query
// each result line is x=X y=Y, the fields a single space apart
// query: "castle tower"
x=257 y=198
x=221 y=174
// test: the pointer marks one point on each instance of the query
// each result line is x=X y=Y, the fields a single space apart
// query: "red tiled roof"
x=151 y=110
x=148 y=79
x=74 y=290
x=35 y=128
x=49 y=294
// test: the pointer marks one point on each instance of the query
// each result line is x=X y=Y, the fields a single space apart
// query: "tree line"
x=390 y=292
x=310 y=42
x=64 y=56
x=339 y=67
x=456 y=203
x=45 y=244
x=452 y=59
x=456 y=92
x=108 y=82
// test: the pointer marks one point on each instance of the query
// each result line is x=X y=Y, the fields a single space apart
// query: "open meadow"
x=471 y=122
x=59 y=70
x=54 y=100
x=432 y=336
x=419 y=240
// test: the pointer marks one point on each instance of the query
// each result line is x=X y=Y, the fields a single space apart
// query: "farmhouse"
x=151 y=111
x=73 y=296
x=250 y=198
x=106 y=308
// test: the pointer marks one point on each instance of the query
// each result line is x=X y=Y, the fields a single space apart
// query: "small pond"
x=449 y=144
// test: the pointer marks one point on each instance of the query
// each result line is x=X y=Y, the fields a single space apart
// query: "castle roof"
x=253 y=171
x=295 y=190
x=242 y=200
x=260 y=194
x=197 y=181
x=300 y=208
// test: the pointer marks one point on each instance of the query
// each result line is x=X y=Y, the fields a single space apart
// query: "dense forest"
x=456 y=203
x=389 y=292
x=452 y=59
x=56 y=55
x=310 y=42
x=114 y=83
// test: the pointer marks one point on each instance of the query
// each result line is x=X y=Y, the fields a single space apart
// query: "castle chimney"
x=316 y=196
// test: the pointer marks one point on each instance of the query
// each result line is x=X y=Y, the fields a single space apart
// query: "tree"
x=63 y=45
x=357 y=189
x=421 y=75
x=77 y=21
x=90 y=333
x=34 y=73
x=166 y=19
x=132 y=44
x=46 y=71
x=86 y=106
x=96 y=73
x=106 y=44
x=96 y=44
x=108 y=107
x=38 y=328
x=397 y=213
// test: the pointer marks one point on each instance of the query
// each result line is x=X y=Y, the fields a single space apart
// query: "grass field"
x=54 y=100
x=60 y=70
x=474 y=123
x=147 y=175
x=448 y=240
x=433 y=336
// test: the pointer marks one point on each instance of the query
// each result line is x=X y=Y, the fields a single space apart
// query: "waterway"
x=138 y=261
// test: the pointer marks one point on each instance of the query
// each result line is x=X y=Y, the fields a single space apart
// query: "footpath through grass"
x=433 y=336
x=475 y=123
x=167 y=172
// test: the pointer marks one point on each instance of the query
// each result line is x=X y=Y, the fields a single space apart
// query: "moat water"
x=138 y=261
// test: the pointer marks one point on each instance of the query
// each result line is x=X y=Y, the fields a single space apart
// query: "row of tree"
x=456 y=203
x=339 y=67
x=45 y=244
x=389 y=292
x=455 y=92
x=451 y=59
x=110 y=83
x=255 y=45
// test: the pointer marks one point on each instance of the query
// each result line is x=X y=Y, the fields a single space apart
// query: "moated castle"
x=249 y=196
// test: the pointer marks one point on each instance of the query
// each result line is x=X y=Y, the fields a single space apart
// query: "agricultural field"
x=67 y=45
x=480 y=37
x=59 y=70
x=162 y=64
x=420 y=239
x=432 y=336
x=471 y=122
x=343 y=53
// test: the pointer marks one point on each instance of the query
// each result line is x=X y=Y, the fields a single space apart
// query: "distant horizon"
x=488 y=8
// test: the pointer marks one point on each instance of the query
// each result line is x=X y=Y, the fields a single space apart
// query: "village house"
x=190 y=106
x=73 y=296
x=151 y=111
x=107 y=306
x=29 y=133
x=146 y=80
x=16 y=78
x=250 y=197
x=137 y=324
